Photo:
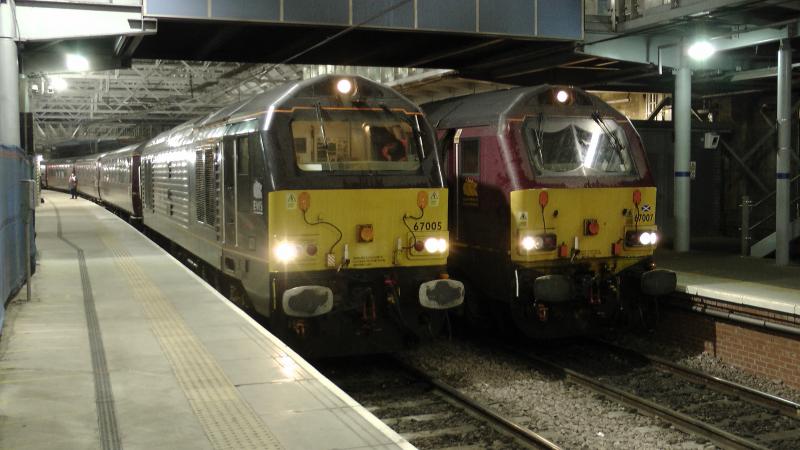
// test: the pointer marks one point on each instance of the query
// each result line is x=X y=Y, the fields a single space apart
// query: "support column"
x=9 y=78
x=782 y=166
x=681 y=118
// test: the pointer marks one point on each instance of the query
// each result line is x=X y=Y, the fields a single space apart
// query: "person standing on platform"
x=73 y=185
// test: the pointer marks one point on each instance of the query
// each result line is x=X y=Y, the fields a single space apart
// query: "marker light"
x=286 y=251
x=77 y=63
x=344 y=86
x=562 y=96
x=701 y=50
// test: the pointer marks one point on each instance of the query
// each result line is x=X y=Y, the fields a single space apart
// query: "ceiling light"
x=77 y=63
x=701 y=50
x=58 y=84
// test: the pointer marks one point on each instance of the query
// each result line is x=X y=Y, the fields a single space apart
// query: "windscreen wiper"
x=609 y=134
x=318 y=110
x=539 y=137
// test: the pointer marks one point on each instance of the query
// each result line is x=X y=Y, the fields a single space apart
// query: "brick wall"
x=758 y=351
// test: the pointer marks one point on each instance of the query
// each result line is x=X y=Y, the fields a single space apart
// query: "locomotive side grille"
x=171 y=189
x=209 y=176
x=200 y=187
x=212 y=180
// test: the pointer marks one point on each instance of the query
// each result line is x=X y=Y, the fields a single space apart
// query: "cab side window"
x=470 y=157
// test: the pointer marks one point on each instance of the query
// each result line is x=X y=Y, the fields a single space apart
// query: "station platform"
x=122 y=346
x=735 y=279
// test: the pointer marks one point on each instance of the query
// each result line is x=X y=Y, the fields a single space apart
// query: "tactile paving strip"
x=227 y=419
x=103 y=394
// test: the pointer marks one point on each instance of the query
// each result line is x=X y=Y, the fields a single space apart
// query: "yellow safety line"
x=228 y=420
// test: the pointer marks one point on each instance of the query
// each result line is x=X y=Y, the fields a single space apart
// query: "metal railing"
x=756 y=231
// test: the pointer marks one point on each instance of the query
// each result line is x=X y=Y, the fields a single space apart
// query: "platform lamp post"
x=782 y=188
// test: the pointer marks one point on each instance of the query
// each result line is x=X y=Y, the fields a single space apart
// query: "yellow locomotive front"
x=554 y=209
x=357 y=223
x=583 y=236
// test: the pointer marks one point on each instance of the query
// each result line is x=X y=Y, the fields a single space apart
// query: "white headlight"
x=431 y=245
x=285 y=251
x=344 y=86
x=527 y=243
x=653 y=238
x=441 y=245
x=645 y=238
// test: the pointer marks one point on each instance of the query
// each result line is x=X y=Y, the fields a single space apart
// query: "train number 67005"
x=428 y=226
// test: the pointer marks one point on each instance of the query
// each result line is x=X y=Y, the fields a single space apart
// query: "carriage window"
x=470 y=157
x=355 y=140
x=564 y=146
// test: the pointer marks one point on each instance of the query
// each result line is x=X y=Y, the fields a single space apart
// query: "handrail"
x=772 y=194
x=747 y=207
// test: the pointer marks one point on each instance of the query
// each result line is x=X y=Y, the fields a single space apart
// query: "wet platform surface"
x=736 y=279
x=122 y=346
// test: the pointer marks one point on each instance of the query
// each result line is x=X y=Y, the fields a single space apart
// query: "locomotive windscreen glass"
x=355 y=140
x=572 y=146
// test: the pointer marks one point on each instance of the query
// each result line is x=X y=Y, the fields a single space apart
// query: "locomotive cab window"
x=577 y=146
x=355 y=141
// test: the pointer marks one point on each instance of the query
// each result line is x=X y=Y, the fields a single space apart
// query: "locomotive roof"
x=320 y=86
x=490 y=107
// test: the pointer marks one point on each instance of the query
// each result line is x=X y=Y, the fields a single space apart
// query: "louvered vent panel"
x=211 y=187
x=200 y=187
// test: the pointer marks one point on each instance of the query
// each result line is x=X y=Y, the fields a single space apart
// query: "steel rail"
x=786 y=407
x=501 y=423
x=679 y=420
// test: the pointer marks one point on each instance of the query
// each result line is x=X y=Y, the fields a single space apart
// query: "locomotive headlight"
x=435 y=245
x=562 y=96
x=529 y=243
x=285 y=251
x=344 y=86
x=431 y=245
x=647 y=238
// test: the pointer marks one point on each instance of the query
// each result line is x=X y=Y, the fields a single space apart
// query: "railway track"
x=427 y=412
x=725 y=413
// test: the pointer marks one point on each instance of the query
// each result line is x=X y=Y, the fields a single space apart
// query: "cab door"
x=462 y=167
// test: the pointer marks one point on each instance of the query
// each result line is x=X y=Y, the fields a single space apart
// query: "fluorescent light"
x=77 y=63
x=58 y=84
x=588 y=160
x=701 y=50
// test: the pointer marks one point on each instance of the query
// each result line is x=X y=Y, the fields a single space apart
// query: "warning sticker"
x=522 y=219
x=291 y=201
x=434 y=199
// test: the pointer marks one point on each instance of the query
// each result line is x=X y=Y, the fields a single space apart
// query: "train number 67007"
x=428 y=226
